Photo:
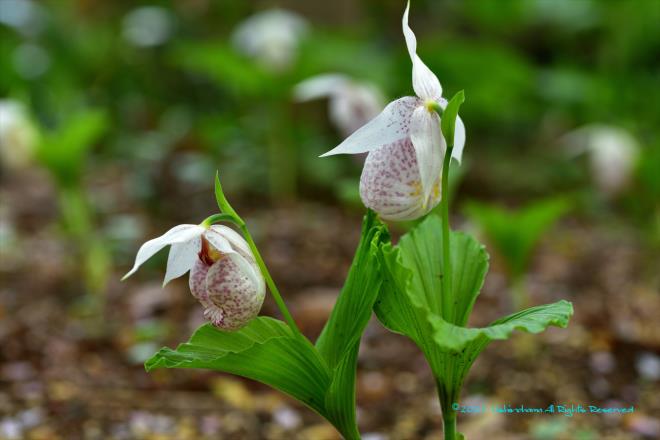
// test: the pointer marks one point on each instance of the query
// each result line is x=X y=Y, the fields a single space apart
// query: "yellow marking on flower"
x=430 y=105
x=436 y=190
x=215 y=254
x=417 y=189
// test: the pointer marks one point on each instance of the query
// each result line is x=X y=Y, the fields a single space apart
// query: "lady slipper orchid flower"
x=613 y=154
x=18 y=136
x=224 y=276
x=401 y=175
x=352 y=103
x=271 y=37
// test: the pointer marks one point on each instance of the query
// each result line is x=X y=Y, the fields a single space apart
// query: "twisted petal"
x=182 y=257
x=391 y=125
x=425 y=83
x=429 y=146
x=391 y=186
x=459 y=140
x=177 y=234
x=319 y=86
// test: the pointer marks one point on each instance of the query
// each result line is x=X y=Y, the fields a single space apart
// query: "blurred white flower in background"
x=18 y=135
x=26 y=16
x=148 y=26
x=648 y=366
x=271 y=37
x=351 y=103
x=612 y=152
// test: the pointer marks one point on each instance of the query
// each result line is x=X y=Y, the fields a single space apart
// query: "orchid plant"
x=424 y=287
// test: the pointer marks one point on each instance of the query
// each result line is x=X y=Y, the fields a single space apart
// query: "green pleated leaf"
x=340 y=397
x=323 y=377
x=264 y=350
x=532 y=320
x=410 y=303
x=340 y=339
x=421 y=252
x=352 y=310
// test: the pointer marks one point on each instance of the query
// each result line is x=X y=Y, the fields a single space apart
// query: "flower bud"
x=391 y=184
x=228 y=284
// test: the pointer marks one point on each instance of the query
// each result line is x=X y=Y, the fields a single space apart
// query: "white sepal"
x=425 y=83
x=177 y=234
x=391 y=125
x=182 y=258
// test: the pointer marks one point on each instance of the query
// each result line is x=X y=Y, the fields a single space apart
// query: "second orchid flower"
x=401 y=176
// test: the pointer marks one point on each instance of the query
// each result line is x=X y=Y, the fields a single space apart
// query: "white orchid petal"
x=391 y=125
x=177 y=234
x=429 y=146
x=236 y=240
x=320 y=86
x=218 y=241
x=182 y=257
x=459 y=140
x=425 y=83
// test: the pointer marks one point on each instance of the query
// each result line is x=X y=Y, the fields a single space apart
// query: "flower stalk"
x=269 y=280
x=447 y=309
x=447 y=128
x=229 y=214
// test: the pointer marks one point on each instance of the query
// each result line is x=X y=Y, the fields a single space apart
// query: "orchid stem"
x=228 y=214
x=447 y=309
x=449 y=424
x=447 y=295
x=446 y=398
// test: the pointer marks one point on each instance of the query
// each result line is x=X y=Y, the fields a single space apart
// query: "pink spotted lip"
x=390 y=183
x=231 y=288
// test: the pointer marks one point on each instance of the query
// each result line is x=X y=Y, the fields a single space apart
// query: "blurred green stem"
x=281 y=157
x=77 y=220
x=519 y=294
